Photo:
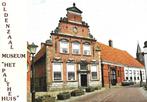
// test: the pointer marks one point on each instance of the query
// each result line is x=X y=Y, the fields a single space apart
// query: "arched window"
x=76 y=48
x=64 y=46
x=86 y=49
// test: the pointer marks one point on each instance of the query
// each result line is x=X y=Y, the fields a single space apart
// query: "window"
x=71 y=71
x=130 y=71
x=126 y=71
x=86 y=49
x=130 y=78
x=134 y=72
x=142 y=72
x=94 y=71
x=64 y=46
x=138 y=72
x=76 y=48
x=137 y=78
x=126 y=78
x=134 y=78
x=57 y=71
x=83 y=66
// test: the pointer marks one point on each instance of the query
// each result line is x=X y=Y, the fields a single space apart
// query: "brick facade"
x=70 y=29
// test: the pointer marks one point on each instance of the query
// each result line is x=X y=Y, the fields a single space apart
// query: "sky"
x=123 y=21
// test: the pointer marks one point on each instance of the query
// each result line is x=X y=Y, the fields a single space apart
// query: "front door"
x=84 y=80
x=113 y=77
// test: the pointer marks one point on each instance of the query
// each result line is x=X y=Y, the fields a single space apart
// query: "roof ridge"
x=112 y=47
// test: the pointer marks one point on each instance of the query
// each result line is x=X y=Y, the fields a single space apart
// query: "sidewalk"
x=144 y=92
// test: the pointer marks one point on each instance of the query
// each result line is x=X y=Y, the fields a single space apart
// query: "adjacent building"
x=118 y=65
x=71 y=57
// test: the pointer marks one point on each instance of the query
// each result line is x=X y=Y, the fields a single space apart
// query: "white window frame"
x=57 y=70
x=94 y=70
x=74 y=47
x=72 y=70
x=86 y=49
x=64 y=44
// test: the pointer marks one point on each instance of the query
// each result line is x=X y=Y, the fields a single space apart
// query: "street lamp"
x=145 y=59
x=32 y=47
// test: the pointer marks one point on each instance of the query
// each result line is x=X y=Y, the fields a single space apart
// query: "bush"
x=125 y=83
x=97 y=87
x=46 y=98
x=90 y=89
x=63 y=96
x=77 y=92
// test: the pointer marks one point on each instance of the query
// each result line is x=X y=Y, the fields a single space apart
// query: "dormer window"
x=76 y=48
x=64 y=46
x=86 y=49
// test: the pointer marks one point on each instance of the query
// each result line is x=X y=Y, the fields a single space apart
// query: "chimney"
x=110 y=43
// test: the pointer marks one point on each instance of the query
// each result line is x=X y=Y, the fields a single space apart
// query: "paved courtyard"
x=121 y=94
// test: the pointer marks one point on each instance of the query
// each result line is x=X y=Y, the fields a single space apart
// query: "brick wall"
x=119 y=74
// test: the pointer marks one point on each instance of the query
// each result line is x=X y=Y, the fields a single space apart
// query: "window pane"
x=71 y=71
x=94 y=75
x=71 y=75
x=57 y=67
x=64 y=46
x=83 y=67
x=93 y=68
x=57 y=75
x=75 y=47
x=86 y=49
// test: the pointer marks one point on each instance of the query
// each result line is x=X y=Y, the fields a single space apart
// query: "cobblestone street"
x=122 y=94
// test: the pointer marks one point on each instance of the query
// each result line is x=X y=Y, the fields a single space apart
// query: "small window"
x=134 y=78
x=64 y=46
x=86 y=49
x=130 y=71
x=76 y=48
x=137 y=78
x=70 y=71
x=126 y=78
x=94 y=71
x=134 y=72
x=130 y=78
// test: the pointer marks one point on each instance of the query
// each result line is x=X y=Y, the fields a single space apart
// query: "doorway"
x=113 y=77
x=84 y=80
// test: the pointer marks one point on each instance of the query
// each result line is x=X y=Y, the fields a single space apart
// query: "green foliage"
x=63 y=96
x=90 y=89
x=46 y=98
x=97 y=87
x=77 y=92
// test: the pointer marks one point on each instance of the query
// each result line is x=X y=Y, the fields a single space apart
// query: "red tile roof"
x=117 y=56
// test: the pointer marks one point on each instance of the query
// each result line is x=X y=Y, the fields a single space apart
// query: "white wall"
x=128 y=70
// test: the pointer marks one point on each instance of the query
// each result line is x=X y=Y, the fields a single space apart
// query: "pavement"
x=115 y=94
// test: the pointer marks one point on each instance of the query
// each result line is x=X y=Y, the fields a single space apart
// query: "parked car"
x=127 y=83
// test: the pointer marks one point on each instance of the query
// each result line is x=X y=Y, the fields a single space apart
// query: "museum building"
x=71 y=57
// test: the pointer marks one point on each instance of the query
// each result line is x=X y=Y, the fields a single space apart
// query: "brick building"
x=71 y=57
x=116 y=63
